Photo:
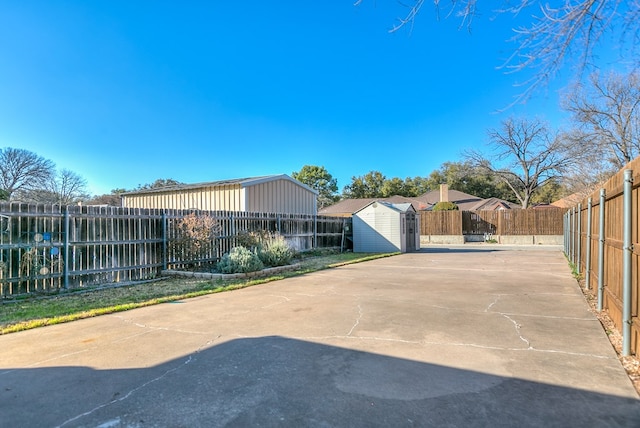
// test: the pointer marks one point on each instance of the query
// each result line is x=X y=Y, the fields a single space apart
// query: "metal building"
x=384 y=227
x=268 y=194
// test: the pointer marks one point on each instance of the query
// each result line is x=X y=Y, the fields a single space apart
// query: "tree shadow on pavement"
x=276 y=381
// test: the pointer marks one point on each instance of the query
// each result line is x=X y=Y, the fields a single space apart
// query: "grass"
x=32 y=312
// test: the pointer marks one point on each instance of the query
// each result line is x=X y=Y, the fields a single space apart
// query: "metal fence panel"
x=45 y=248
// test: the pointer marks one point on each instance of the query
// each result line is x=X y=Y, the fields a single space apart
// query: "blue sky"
x=126 y=92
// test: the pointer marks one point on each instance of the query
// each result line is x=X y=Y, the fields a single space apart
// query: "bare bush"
x=194 y=237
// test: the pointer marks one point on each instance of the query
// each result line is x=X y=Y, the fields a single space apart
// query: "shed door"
x=411 y=231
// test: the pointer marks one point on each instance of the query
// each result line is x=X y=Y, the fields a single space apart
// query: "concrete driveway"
x=472 y=336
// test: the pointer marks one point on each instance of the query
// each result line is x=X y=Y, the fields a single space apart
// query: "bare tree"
x=560 y=31
x=69 y=188
x=22 y=170
x=65 y=188
x=607 y=115
x=524 y=155
x=113 y=199
x=588 y=171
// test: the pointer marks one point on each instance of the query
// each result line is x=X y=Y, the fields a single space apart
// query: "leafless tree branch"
x=524 y=155
x=607 y=115
x=22 y=170
x=561 y=32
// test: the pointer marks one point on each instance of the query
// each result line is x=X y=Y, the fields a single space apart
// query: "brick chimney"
x=444 y=193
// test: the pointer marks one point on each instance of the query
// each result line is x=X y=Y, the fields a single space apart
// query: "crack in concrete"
x=361 y=338
x=461 y=344
x=517 y=327
x=286 y=299
x=151 y=328
x=59 y=357
x=126 y=396
x=360 y=313
x=553 y=317
x=528 y=349
x=488 y=308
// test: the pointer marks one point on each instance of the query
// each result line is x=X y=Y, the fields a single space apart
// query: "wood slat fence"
x=602 y=242
x=45 y=248
x=501 y=222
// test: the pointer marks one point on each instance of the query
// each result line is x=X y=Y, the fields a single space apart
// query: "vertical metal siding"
x=280 y=196
x=277 y=196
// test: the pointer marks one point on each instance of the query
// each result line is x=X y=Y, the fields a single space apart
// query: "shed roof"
x=350 y=206
x=403 y=207
x=243 y=182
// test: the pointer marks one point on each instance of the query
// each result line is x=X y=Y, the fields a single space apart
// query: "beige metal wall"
x=219 y=198
x=280 y=196
x=277 y=196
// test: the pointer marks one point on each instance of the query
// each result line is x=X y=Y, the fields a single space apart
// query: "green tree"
x=549 y=192
x=465 y=177
x=416 y=186
x=160 y=182
x=367 y=186
x=318 y=178
x=445 y=206
x=395 y=186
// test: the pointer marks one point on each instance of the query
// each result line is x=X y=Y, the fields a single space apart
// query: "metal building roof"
x=243 y=182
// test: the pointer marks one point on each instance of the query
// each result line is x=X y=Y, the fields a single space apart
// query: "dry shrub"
x=194 y=235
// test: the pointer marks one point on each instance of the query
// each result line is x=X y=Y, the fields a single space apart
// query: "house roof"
x=464 y=201
x=493 y=204
x=569 y=201
x=243 y=182
x=349 y=206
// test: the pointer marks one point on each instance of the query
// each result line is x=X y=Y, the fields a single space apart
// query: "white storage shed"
x=385 y=227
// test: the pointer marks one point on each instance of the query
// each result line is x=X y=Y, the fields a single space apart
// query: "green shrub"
x=252 y=240
x=239 y=260
x=445 y=206
x=275 y=251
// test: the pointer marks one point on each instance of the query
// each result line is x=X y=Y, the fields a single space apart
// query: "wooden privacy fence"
x=44 y=248
x=500 y=222
x=601 y=240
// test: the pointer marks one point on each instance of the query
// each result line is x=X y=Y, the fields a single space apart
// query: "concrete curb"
x=229 y=276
